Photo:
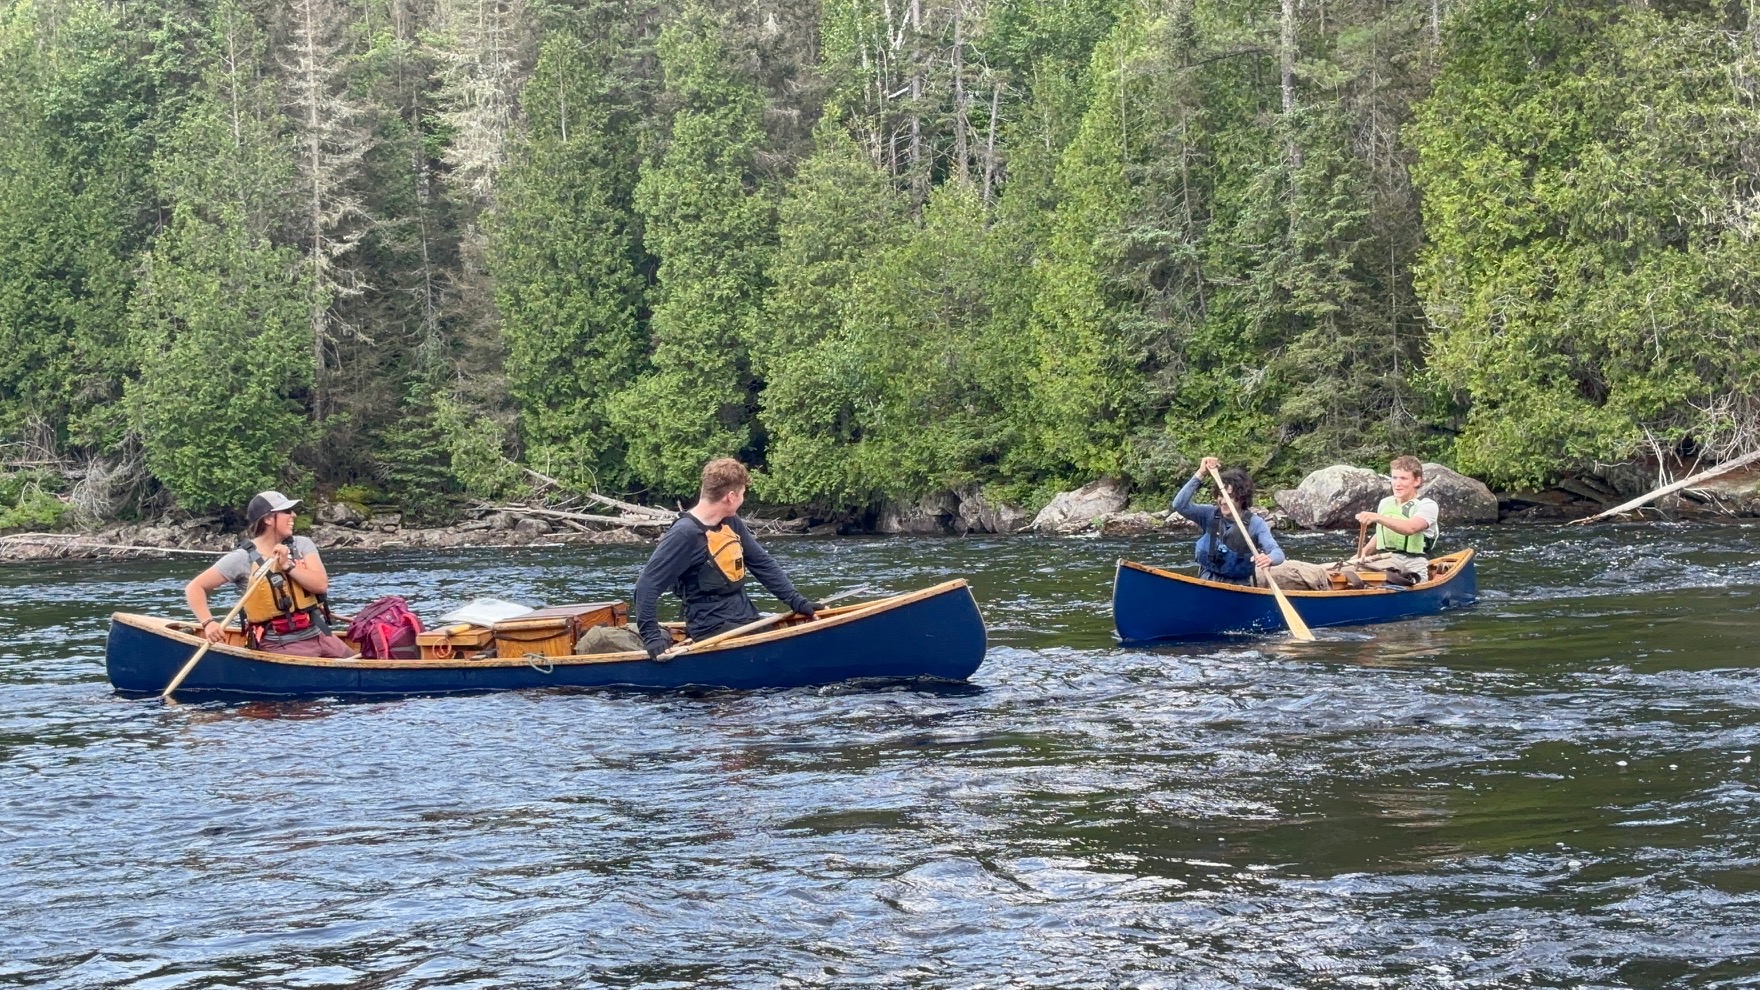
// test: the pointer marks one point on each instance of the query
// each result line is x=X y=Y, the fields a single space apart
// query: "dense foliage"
x=877 y=249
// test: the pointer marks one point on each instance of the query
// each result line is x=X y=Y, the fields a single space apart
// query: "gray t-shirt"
x=236 y=566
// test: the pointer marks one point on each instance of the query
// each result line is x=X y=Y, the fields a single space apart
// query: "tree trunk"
x=1287 y=56
x=961 y=153
x=919 y=176
x=990 y=144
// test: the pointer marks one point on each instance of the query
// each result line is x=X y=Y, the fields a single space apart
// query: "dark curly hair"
x=1237 y=482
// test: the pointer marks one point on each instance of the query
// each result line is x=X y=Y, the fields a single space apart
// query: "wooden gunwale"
x=834 y=617
x=1456 y=561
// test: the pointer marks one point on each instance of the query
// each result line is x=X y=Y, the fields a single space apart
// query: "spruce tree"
x=712 y=226
x=566 y=263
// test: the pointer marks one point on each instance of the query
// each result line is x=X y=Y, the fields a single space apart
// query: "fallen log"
x=581 y=517
x=629 y=507
x=1724 y=468
x=56 y=541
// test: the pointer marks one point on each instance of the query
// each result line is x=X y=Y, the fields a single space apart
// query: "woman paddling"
x=285 y=612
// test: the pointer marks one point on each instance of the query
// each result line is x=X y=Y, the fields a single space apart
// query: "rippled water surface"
x=1556 y=788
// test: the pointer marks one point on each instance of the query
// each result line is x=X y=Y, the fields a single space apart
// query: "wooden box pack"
x=447 y=642
x=551 y=632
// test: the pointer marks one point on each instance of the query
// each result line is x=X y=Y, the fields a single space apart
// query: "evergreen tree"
x=712 y=225
x=332 y=138
x=566 y=262
x=75 y=109
x=221 y=320
x=821 y=382
x=1590 y=259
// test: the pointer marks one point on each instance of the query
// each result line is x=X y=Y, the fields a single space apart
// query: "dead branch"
x=1688 y=482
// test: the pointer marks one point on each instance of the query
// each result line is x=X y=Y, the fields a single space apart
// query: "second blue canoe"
x=1150 y=604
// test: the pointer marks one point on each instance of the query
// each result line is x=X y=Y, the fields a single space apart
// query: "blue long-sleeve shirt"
x=1204 y=515
x=682 y=550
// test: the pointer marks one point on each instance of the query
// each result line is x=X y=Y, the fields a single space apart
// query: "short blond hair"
x=1409 y=464
x=721 y=476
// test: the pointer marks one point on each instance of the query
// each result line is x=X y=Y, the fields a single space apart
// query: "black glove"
x=654 y=650
x=809 y=609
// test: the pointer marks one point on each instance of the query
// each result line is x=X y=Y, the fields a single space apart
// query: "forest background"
x=404 y=249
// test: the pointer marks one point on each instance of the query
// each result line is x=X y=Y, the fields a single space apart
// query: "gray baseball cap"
x=264 y=503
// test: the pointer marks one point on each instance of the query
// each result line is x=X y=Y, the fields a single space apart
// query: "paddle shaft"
x=1297 y=627
x=753 y=626
x=262 y=572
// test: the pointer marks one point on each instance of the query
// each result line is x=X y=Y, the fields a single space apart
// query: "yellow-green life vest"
x=1386 y=539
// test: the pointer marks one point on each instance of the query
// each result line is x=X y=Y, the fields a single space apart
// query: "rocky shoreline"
x=1326 y=499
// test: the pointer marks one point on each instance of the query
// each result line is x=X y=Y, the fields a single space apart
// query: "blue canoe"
x=935 y=633
x=1150 y=604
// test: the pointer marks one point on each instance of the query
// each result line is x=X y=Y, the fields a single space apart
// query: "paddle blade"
x=1297 y=627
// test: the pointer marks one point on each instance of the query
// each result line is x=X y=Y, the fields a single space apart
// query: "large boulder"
x=1131 y=523
x=340 y=514
x=530 y=528
x=1332 y=496
x=1460 y=500
x=931 y=515
x=1075 y=512
x=980 y=514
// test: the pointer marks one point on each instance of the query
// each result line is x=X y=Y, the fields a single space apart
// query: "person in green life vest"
x=704 y=559
x=1405 y=525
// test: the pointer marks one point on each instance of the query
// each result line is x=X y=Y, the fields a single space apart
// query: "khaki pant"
x=1296 y=575
x=1303 y=576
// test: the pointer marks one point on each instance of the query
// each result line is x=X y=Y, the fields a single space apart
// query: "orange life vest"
x=280 y=604
x=728 y=555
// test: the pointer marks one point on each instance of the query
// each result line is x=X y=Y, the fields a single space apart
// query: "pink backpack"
x=386 y=630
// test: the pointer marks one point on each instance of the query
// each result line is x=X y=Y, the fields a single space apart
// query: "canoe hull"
x=1150 y=604
x=936 y=633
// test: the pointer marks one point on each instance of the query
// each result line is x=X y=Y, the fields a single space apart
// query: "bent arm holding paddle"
x=213 y=631
x=751 y=627
x=1297 y=627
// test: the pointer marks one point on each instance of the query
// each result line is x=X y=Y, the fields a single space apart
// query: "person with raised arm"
x=286 y=611
x=1222 y=551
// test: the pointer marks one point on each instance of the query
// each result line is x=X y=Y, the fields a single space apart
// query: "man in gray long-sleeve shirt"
x=704 y=559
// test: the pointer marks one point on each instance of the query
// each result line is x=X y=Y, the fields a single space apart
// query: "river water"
x=1555 y=788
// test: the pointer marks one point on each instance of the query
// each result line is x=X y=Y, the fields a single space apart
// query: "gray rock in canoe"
x=1460 y=500
x=982 y=515
x=1075 y=512
x=1331 y=497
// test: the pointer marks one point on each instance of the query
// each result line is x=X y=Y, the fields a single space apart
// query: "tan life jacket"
x=276 y=596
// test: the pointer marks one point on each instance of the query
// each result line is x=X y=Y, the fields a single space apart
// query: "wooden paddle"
x=1297 y=627
x=1362 y=540
x=262 y=572
x=753 y=626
